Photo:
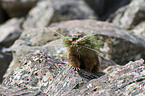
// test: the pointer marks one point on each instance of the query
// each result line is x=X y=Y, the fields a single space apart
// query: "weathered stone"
x=13 y=91
x=130 y=15
x=39 y=16
x=40 y=74
x=118 y=80
x=68 y=10
x=16 y=8
x=139 y=30
x=10 y=31
x=49 y=11
x=34 y=67
x=38 y=36
x=5 y=59
x=54 y=48
x=104 y=8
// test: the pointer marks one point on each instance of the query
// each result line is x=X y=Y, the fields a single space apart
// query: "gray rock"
x=10 y=31
x=49 y=11
x=5 y=59
x=54 y=48
x=15 y=8
x=40 y=74
x=130 y=15
x=139 y=30
x=71 y=9
x=118 y=81
x=12 y=91
x=104 y=8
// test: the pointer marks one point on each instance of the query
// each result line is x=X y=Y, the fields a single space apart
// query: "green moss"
x=83 y=44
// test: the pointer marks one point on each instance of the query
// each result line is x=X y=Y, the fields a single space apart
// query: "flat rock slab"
x=118 y=80
x=40 y=74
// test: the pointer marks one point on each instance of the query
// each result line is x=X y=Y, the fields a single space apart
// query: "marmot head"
x=75 y=37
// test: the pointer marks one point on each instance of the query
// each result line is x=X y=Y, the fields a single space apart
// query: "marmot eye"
x=80 y=35
x=74 y=38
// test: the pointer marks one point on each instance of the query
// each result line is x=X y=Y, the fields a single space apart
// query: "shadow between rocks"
x=89 y=75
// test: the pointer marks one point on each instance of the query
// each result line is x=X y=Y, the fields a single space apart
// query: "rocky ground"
x=33 y=57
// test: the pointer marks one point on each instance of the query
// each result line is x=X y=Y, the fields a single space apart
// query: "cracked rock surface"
x=40 y=73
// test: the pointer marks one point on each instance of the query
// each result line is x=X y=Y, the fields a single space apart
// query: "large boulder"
x=18 y=8
x=10 y=31
x=49 y=11
x=129 y=16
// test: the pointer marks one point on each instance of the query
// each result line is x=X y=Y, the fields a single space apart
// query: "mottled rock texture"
x=118 y=80
x=129 y=16
x=41 y=74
